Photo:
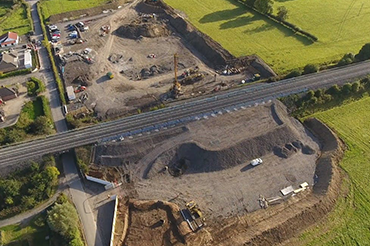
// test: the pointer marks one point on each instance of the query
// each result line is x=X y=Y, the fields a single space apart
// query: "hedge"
x=39 y=86
x=51 y=56
x=28 y=11
x=15 y=73
x=46 y=107
x=284 y=23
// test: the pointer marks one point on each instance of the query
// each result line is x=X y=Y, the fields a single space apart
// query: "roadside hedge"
x=51 y=56
x=46 y=108
x=28 y=11
x=15 y=73
x=294 y=28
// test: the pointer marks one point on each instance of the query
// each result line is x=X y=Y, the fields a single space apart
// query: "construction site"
x=143 y=55
x=197 y=184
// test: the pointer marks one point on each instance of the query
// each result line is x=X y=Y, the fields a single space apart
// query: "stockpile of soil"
x=191 y=158
x=153 y=223
x=138 y=29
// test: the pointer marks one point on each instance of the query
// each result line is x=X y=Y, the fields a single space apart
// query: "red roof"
x=10 y=37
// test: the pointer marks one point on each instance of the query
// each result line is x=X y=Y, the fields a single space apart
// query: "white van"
x=64 y=110
x=256 y=162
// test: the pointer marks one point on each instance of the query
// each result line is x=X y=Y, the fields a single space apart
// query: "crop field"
x=52 y=7
x=16 y=22
x=349 y=222
x=340 y=25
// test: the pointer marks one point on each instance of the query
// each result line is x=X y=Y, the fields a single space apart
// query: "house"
x=9 y=62
x=7 y=94
x=27 y=59
x=9 y=39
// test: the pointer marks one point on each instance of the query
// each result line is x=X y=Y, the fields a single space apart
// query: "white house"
x=9 y=39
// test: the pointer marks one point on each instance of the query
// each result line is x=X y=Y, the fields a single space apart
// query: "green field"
x=32 y=234
x=52 y=7
x=340 y=25
x=16 y=22
x=349 y=222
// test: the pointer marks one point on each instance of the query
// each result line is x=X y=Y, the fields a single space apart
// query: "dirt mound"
x=154 y=223
x=139 y=29
x=191 y=158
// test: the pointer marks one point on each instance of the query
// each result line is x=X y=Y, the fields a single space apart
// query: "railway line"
x=179 y=113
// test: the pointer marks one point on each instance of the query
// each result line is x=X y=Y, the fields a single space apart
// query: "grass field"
x=16 y=22
x=52 y=7
x=32 y=234
x=340 y=25
x=349 y=222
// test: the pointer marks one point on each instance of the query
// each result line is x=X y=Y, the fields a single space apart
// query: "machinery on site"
x=193 y=216
x=110 y=75
x=80 y=88
x=176 y=88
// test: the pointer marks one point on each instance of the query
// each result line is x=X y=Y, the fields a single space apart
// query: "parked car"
x=52 y=27
x=56 y=31
x=55 y=38
x=56 y=35
x=256 y=162
x=80 y=24
x=71 y=28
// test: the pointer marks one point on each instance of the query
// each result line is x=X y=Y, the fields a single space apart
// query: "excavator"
x=176 y=88
x=193 y=216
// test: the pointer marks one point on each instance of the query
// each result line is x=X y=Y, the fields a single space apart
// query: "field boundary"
x=283 y=23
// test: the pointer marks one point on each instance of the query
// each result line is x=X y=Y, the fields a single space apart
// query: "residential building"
x=9 y=39
x=7 y=94
x=9 y=61
x=27 y=59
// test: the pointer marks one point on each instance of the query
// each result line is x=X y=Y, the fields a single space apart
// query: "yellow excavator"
x=193 y=216
x=176 y=88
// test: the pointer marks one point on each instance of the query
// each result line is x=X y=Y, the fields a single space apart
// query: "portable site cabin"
x=70 y=93
x=27 y=59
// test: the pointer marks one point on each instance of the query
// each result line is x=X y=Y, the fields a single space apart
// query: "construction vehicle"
x=80 y=88
x=193 y=78
x=176 y=88
x=193 y=216
x=110 y=75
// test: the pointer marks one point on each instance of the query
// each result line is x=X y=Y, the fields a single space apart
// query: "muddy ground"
x=139 y=50
x=208 y=161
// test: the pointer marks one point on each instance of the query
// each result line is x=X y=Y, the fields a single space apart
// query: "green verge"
x=349 y=223
x=61 y=6
x=52 y=60
x=33 y=233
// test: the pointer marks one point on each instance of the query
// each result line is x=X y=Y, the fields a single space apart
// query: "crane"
x=176 y=88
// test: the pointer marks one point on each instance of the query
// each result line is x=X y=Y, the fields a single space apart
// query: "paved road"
x=76 y=190
x=179 y=113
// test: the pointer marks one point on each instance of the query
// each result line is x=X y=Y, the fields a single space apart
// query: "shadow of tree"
x=238 y=22
x=227 y=14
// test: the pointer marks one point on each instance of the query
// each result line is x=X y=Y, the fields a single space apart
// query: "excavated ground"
x=208 y=161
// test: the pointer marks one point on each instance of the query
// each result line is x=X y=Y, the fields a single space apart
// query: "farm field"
x=339 y=25
x=52 y=7
x=348 y=223
x=16 y=22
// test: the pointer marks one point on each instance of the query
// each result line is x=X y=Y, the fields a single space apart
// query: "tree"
x=347 y=88
x=15 y=135
x=334 y=90
x=2 y=135
x=31 y=88
x=310 y=68
x=63 y=219
x=364 y=53
x=41 y=125
x=282 y=14
x=356 y=86
x=264 y=6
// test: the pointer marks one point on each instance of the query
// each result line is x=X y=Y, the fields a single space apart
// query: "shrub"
x=294 y=73
x=334 y=90
x=347 y=89
x=15 y=73
x=364 y=53
x=310 y=68
x=356 y=87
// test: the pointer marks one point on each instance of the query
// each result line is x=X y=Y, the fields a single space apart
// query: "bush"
x=310 y=68
x=364 y=53
x=347 y=89
x=294 y=73
x=334 y=90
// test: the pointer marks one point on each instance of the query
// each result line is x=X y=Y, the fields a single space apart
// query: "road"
x=177 y=114
x=76 y=190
